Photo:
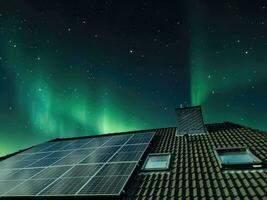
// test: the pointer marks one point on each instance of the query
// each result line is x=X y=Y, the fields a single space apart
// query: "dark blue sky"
x=70 y=68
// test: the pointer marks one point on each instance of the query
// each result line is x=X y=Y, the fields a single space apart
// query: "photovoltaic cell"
x=23 y=174
x=138 y=139
x=74 y=157
x=15 y=164
x=51 y=172
x=44 y=162
x=19 y=157
x=64 y=186
x=104 y=185
x=59 y=154
x=133 y=148
x=83 y=170
x=116 y=169
x=111 y=150
x=38 y=148
x=127 y=156
x=76 y=144
x=96 y=142
x=97 y=158
x=8 y=185
x=86 y=166
x=29 y=187
x=57 y=146
x=36 y=156
x=117 y=140
x=6 y=173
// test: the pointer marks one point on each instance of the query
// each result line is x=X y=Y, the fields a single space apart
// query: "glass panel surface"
x=53 y=169
x=240 y=157
x=157 y=162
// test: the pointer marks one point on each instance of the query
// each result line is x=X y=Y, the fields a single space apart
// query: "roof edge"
x=81 y=137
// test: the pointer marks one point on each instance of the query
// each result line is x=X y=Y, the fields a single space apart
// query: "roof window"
x=158 y=161
x=237 y=157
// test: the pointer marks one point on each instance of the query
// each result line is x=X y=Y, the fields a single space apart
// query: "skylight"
x=157 y=162
x=237 y=157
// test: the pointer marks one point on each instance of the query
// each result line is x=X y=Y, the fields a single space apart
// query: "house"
x=191 y=161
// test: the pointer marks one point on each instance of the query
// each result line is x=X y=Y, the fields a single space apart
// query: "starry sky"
x=74 y=68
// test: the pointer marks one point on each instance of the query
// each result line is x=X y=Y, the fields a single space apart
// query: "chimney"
x=190 y=120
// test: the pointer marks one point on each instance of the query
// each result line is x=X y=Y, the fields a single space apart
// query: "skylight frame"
x=168 y=155
x=249 y=165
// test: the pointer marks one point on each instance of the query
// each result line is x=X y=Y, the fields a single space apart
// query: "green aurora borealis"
x=74 y=68
x=228 y=62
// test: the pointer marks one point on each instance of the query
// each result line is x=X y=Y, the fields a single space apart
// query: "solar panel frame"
x=114 y=144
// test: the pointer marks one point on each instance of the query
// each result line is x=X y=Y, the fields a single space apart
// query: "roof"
x=194 y=171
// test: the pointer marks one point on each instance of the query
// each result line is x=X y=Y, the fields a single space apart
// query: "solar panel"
x=127 y=156
x=97 y=158
x=76 y=145
x=8 y=185
x=104 y=185
x=23 y=174
x=30 y=187
x=74 y=157
x=6 y=173
x=64 y=186
x=51 y=172
x=116 y=169
x=15 y=164
x=78 y=167
x=130 y=148
x=44 y=162
x=36 y=156
x=83 y=170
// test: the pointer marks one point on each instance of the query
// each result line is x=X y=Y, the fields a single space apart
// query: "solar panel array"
x=89 y=166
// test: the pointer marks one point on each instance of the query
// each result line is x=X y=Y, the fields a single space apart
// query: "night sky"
x=71 y=68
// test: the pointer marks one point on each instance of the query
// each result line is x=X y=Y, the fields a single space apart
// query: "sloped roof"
x=194 y=171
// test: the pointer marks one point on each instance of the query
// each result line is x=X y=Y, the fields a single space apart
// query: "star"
x=246 y=52
x=14 y=45
x=209 y=76
x=131 y=51
x=38 y=58
x=69 y=29
x=238 y=41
